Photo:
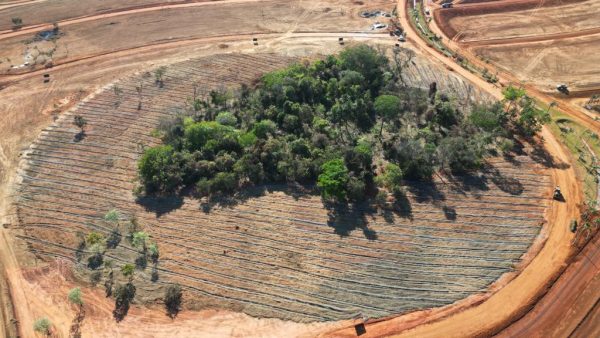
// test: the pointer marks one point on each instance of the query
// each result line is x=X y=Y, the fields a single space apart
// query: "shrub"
x=127 y=270
x=43 y=326
x=173 y=300
x=227 y=119
x=112 y=216
x=74 y=296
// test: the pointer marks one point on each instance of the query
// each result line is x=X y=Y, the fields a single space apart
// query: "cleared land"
x=287 y=259
x=541 y=42
x=205 y=20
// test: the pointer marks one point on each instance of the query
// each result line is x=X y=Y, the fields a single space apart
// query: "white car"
x=379 y=25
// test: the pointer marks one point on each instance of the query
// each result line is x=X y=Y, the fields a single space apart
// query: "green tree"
x=512 y=95
x=42 y=326
x=264 y=128
x=94 y=238
x=112 y=216
x=488 y=118
x=140 y=239
x=531 y=118
x=127 y=270
x=226 y=118
x=75 y=296
x=153 y=251
x=387 y=108
x=333 y=179
x=367 y=61
x=158 y=170
x=80 y=122
x=391 y=178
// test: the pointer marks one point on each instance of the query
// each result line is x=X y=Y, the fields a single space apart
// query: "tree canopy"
x=326 y=123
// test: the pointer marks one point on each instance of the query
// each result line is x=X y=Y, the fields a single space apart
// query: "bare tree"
x=17 y=23
x=139 y=88
x=159 y=74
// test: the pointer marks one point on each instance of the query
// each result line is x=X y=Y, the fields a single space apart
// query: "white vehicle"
x=379 y=25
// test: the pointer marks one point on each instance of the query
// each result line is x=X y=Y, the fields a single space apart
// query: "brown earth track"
x=570 y=307
x=41 y=214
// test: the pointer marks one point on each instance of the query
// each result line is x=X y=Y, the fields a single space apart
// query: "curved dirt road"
x=573 y=297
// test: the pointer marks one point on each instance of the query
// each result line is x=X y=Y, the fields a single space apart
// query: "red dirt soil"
x=443 y=16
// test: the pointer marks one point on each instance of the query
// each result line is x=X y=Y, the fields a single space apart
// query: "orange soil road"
x=573 y=297
x=491 y=315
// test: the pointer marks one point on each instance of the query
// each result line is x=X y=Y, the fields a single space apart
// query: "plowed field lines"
x=278 y=254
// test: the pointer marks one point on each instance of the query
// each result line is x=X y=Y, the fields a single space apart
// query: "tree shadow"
x=469 y=182
x=79 y=136
x=449 y=212
x=345 y=218
x=160 y=205
x=507 y=184
x=541 y=156
x=230 y=201
x=425 y=192
x=402 y=205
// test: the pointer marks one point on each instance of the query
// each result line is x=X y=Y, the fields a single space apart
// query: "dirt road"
x=573 y=297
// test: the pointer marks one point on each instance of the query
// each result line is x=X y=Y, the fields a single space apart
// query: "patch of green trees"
x=345 y=123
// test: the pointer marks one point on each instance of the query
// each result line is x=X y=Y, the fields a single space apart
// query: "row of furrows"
x=423 y=74
x=58 y=185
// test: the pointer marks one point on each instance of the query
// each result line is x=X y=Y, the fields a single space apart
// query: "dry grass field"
x=276 y=252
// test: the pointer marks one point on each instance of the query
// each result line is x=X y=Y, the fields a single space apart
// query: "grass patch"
x=573 y=134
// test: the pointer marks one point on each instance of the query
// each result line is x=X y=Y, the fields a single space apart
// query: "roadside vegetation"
x=345 y=123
